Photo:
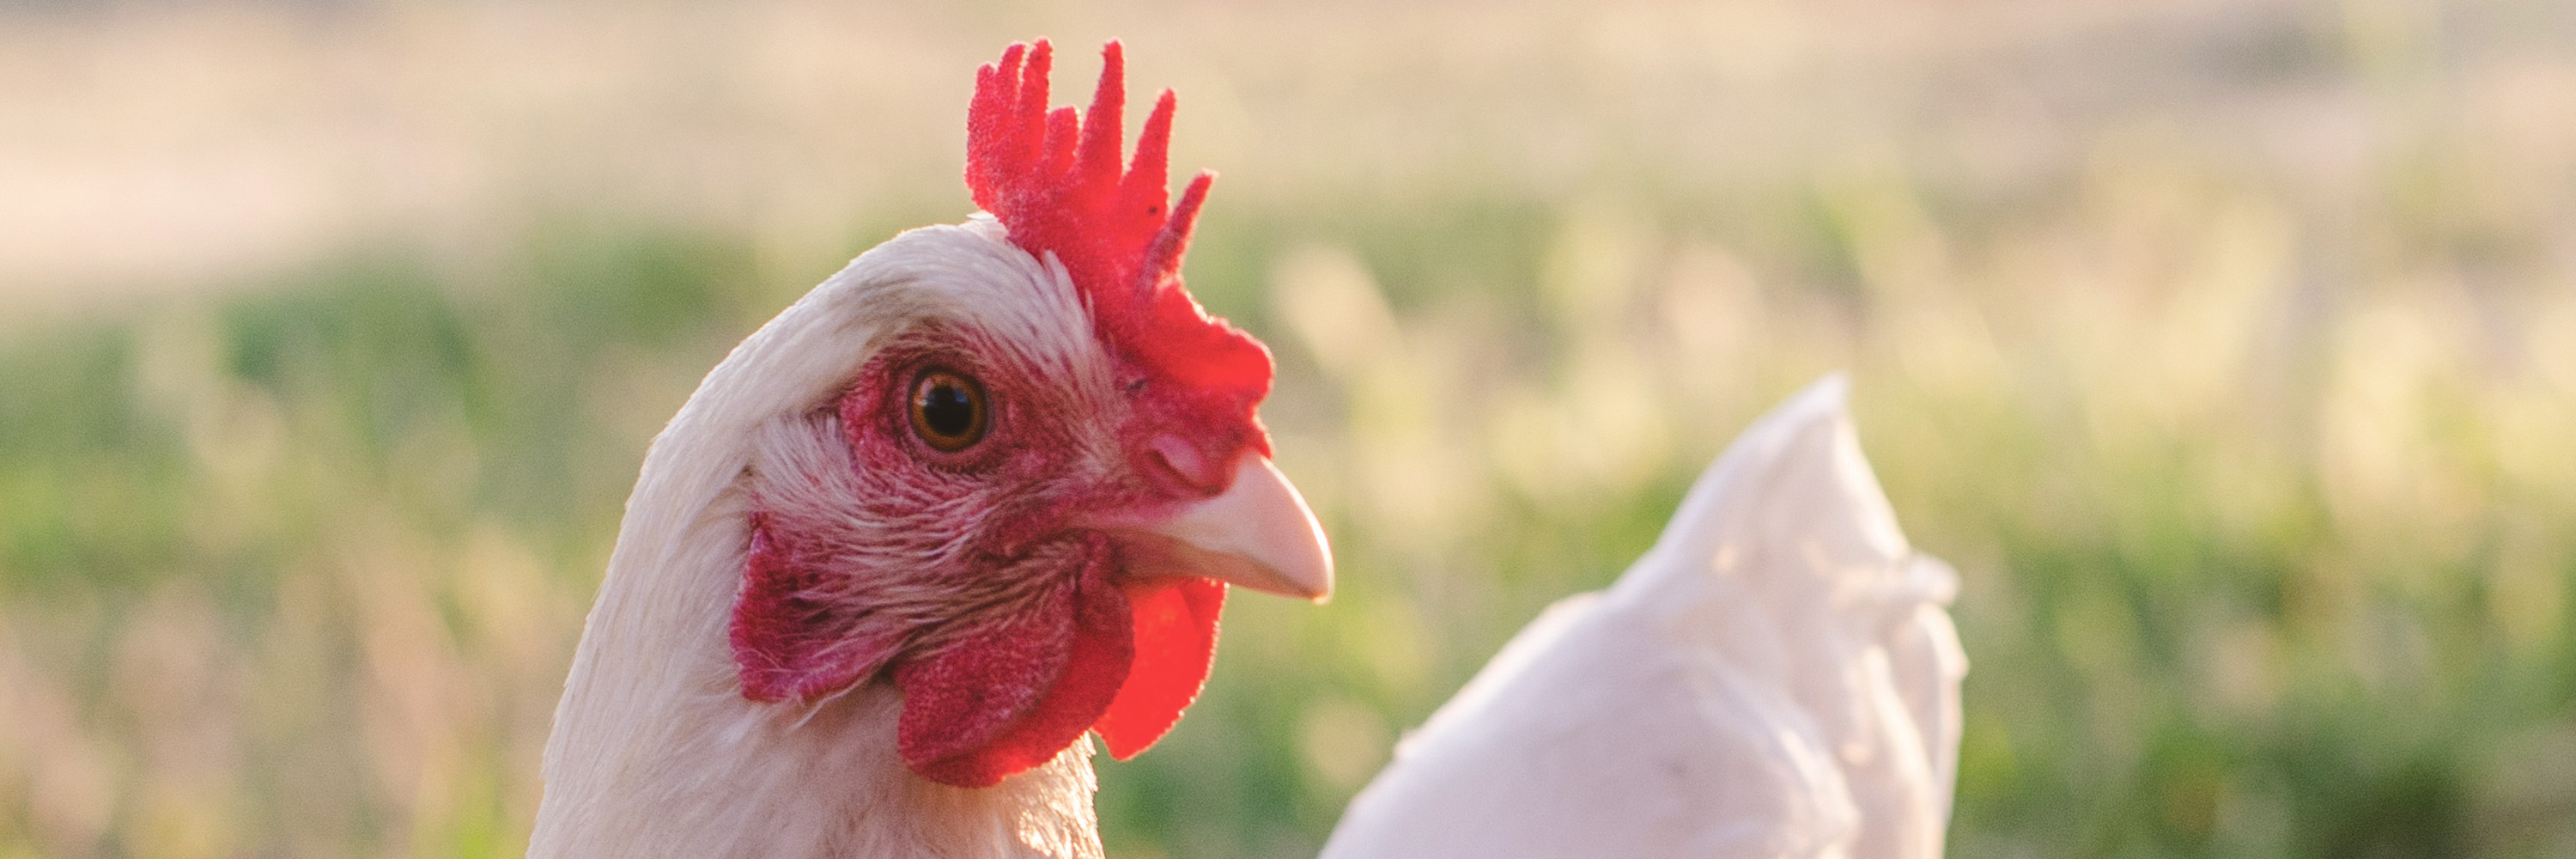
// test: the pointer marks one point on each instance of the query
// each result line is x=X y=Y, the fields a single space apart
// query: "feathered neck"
x=717 y=778
x=655 y=751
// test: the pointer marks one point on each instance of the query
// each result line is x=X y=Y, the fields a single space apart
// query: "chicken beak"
x=1258 y=533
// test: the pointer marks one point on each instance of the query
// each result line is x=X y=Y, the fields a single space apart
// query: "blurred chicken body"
x=1777 y=677
x=973 y=499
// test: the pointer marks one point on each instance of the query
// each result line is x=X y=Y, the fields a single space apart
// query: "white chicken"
x=972 y=499
x=1777 y=677
x=979 y=496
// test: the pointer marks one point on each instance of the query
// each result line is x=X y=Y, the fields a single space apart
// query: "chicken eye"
x=948 y=410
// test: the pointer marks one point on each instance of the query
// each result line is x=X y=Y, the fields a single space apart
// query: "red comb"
x=1054 y=181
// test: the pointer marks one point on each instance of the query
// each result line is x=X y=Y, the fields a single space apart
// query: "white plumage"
x=835 y=626
x=655 y=750
x=1777 y=677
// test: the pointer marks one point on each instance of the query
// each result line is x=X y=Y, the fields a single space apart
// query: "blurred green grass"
x=2258 y=469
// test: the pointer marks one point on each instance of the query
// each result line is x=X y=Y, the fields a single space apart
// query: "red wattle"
x=1121 y=658
x=1175 y=634
x=1021 y=691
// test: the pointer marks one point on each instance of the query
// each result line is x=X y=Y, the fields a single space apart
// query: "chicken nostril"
x=1184 y=463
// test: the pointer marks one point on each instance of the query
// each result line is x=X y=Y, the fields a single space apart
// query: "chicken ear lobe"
x=786 y=643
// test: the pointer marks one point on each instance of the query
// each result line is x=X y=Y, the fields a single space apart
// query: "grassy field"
x=2229 y=350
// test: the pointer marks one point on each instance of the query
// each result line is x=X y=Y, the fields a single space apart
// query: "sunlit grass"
x=2256 y=462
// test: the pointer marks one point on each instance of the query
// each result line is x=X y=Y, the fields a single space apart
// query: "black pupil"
x=947 y=410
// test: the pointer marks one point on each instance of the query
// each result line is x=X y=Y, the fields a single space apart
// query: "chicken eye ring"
x=949 y=410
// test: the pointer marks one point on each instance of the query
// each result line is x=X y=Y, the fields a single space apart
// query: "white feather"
x=655 y=752
x=1777 y=677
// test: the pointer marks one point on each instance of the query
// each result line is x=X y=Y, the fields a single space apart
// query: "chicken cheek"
x=1017 y=693
x=1175 y=622
x=787 y=644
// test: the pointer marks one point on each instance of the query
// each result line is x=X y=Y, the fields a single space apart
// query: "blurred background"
x=2228 y=348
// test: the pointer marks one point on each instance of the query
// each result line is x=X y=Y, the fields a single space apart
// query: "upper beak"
x=1257 y=533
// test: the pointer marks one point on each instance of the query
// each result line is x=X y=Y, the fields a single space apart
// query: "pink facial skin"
x=965 y=577
x=1010 y=625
